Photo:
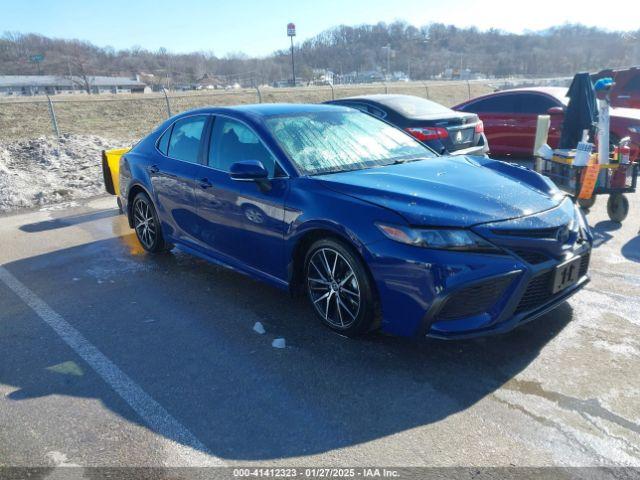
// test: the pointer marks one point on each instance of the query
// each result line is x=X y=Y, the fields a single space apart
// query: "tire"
x=617 y=207
x=340 y=289
x=587 y=203
x=147 y=225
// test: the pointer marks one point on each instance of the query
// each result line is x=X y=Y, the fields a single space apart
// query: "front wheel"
x=146 y=224
x=339 y=288
x=587 y=203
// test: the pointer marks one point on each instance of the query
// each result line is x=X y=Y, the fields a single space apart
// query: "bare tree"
x=343 y=49
x=81 y=65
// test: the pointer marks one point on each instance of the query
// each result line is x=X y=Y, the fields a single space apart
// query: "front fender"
x=313 y=211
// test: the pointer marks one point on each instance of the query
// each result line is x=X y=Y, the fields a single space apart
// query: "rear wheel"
x=146 y=224
x=617 y=207
x=339 y=288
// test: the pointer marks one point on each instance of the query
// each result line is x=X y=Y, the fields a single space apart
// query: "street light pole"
x=291 y=32
x=293 y=65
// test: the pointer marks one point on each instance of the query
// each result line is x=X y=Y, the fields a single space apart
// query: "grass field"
x=131 y=116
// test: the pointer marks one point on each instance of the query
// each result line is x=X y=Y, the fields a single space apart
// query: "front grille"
x=538 y=291
x=531 y=256
x=584 y=264
x=528 y=232
x=474 y=300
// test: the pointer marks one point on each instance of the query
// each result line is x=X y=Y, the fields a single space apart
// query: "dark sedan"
x=378 y=231
x=443 y=130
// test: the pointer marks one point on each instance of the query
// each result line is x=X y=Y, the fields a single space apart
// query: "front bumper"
x=512 y=321
x=415 y=284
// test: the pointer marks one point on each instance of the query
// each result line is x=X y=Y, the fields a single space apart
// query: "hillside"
x=421 y=52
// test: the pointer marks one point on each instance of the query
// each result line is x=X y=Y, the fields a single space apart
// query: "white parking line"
x=188 y=450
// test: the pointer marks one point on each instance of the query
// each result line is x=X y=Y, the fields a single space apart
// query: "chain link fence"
x=131 y=116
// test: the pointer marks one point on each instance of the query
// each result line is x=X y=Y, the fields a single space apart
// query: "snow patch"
x=48 y=170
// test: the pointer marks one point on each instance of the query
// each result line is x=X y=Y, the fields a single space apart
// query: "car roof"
x=385 y=99
x=410 y=107
x=559 y=93
x=269 y=109
x=375 y=97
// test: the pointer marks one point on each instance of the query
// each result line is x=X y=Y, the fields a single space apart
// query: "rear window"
x=416 y=106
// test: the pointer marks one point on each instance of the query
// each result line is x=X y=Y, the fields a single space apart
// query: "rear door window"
x=633 y=85
x=497 y=104
x=376 y=112
x=535 y=104
x=186 y=136
x=358 y=106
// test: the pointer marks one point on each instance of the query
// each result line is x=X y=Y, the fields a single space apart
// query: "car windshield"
x=337 y=141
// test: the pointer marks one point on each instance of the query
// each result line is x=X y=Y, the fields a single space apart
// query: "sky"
x=258 y=27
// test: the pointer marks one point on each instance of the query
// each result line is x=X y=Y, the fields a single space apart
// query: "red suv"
x=510 y=118
x=626 y=91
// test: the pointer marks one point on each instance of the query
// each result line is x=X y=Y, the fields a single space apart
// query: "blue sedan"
x=378 y=231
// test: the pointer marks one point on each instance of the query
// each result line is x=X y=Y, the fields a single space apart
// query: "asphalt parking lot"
x=110 y=357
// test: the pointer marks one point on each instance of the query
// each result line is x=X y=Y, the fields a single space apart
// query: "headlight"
x=438 y=238
x=635 y=129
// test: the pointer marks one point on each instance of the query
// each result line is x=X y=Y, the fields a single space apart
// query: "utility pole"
x=291 y=32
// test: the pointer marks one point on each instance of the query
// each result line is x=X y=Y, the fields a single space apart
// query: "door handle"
x=205 y=183
x=153 y=169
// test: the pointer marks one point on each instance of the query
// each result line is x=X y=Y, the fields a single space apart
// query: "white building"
x=52 y=85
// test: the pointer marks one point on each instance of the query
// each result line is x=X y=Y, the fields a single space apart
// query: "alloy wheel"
x=144 y=223
x=333 y=288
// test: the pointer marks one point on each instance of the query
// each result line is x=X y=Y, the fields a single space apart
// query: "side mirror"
x=556 y=111
x=248 y=171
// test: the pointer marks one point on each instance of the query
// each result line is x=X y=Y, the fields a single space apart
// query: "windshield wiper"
x=405 y=159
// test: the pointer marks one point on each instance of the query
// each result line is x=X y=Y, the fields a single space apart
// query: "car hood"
x=450 y=191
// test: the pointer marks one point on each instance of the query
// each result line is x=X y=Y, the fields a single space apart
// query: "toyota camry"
x=378 y=231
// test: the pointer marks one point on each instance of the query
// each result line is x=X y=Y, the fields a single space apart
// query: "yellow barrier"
x=111 y=168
